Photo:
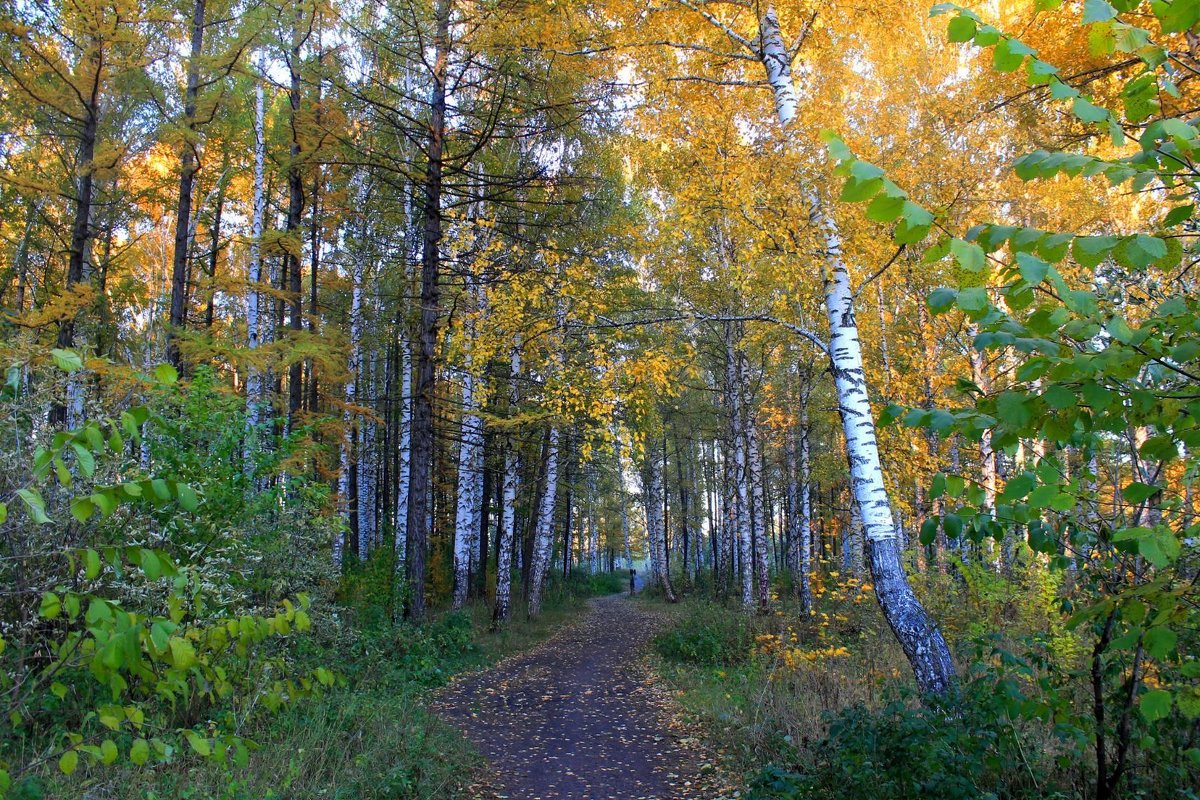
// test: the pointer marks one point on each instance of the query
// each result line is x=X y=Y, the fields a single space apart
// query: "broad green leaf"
x=35 y=505
x=139 y=752
x=973 y=299
x=165 y=373
x=1155 y=704
x=50 y=606
x=970 y=256
x=68 y=762
x=1097 y=11
x=67 y=360
x=961 y=29
x=199 y=743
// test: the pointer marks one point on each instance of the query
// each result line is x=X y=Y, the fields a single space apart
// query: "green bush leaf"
x=1155 y=704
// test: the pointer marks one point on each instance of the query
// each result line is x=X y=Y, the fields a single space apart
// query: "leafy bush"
x=708 y=634
x=958 y=749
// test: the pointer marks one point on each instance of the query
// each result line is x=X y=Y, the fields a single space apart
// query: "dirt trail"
x=580 y=717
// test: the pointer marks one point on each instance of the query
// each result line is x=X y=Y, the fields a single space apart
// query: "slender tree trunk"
x=656 y=526
x=404 y=471
x=348 y=464
x=913 y=626
x=543 y=540
x=254 y=322
x=422 y=433
x=295 y=219
x=189 y=164
x=508 y=521
x=466 y=524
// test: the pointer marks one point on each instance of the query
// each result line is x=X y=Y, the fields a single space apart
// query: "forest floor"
x=582 y=715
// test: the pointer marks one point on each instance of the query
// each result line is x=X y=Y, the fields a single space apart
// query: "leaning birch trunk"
x=470 y=450
x=656 y=531
x=504 y=543
x=917 y=632
x=254 y=378
x=913 y=626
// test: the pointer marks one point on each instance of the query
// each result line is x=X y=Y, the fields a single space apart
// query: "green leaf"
x=1032 y=268
x=187 y=497
x=1119 y=330
x=85 y=459
x=961 y=29
x=1003 y=57
x=970 y=256
x=82 y=509
x=1097 y=11
x=973 y=299
x=35 y=505
x=1090 y=251
x=1155 y=704
x=1013 y=409
x=50 y=607
x=68 y=762
x=91 y=564
x=108 y=751
x=1138 y=492
x=183 y=655
x=139 y=752
x=150 y=564
x=953 y=525
x=1088 y=111
x=67 y=360
x=884 y=208
x=942 y=300
x=199 y=743
x=165 y=373
x=1178 y=215
x=1160 y=641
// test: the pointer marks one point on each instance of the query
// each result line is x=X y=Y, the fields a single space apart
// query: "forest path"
x=580 y=717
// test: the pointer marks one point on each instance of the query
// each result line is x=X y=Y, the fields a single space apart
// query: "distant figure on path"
x=632 y=581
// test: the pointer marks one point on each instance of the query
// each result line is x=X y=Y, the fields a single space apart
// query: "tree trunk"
x=508 y=521
x=422 y=433
x=189 y=164
x=254 y=323
x=656 y=527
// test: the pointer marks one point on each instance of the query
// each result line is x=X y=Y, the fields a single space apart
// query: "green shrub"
x=961 y=749
x=708 y=634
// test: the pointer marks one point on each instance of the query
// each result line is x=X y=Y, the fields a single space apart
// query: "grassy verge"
x=818 y=706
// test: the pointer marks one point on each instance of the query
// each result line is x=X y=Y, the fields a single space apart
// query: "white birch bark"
x=758 y=500
x=656 y=530
x=806 y=598
x=916 y=630
x=593 y=526
x=504 y=544
x=470 y=463
x=622 y=497
x=543 y=540
x=347 y=460
x=254 y=377
x=401 y=524
x=741 y=490
x=366 y=458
